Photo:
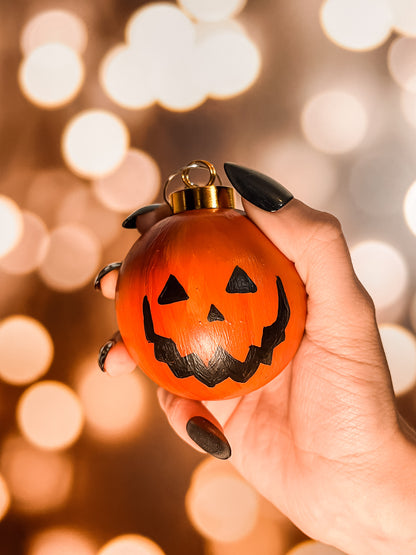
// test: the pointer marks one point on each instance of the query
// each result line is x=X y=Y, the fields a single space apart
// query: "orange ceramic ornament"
x=206 y=305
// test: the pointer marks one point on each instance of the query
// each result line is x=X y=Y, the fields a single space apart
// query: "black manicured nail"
x=105 y=271
x=208 y=437
x=105 y=349
x=259 y=189
x=130 y=221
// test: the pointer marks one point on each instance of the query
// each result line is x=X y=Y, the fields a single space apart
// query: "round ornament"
x=206 y=305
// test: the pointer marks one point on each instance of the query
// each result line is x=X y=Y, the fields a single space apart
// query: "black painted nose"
x=214 y=315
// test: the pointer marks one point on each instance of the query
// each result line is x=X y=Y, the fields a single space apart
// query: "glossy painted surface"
x=207 y=279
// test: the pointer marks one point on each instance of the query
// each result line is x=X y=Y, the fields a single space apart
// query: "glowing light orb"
x=51 y=75
x=39 y=481
x=127 y=77
x=135 y=183
x=382 y=270
x=50 y=415
x=404 y=16
x=31 y=249
x=334 y=121
x=356 y=24
x=408 y=106
x=409 y=207
x=220 y=504
x=94 y=143
x=72 y=259
x=401 y=60
x=131 y=544
x=214 y=10
x=314 y=548
x=4 y=497
x=114 y=407
x=54 y=26
x=230 y=59
x=11 y=225
x=22 y=366
x=400 y=347
x=62 y=540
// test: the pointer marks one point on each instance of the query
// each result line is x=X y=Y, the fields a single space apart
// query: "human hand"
x=323 y=441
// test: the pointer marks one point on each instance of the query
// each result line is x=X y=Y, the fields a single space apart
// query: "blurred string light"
x=314 y=548
x=4 y=497
x=11 y=224
x=50 y=415
x=220 y=504
x=383 y=271
x=94 y=143
x=114 y=407
x=51 y=75
x=400 y=347
x=334 y=121
x=72 y=258
x=134 y=183
x=39 y=481
x=22 y=366
x=409 y=208
x=131 y=544
x=404 y=16
x=60 y=26
x=357 y=24
x=61 y=540
x=401 y=60
x=29 y=252
x=214 y=10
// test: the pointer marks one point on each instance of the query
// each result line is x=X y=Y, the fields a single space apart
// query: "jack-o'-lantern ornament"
x=206 y=305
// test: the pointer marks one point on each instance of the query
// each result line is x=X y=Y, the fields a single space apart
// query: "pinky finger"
x=114 y=358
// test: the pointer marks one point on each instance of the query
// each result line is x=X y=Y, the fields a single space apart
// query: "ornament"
x=206 y=305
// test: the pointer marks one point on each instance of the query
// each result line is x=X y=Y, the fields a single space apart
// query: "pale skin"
x=323 y=441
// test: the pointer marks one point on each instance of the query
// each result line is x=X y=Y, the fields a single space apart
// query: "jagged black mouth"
x=222 y=365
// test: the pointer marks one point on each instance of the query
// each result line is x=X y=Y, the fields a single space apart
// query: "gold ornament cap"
x=194 y=196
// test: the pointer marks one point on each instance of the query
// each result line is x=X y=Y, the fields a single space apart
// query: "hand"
x=323 y=441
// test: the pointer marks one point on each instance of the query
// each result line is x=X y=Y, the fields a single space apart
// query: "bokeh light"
x=314 y=548
x=382 y=270
x=131 y=544
x=19 y=366
x=39 y=481
x=135 y=183
x=72 y=259
x=214 y=10
x=220 y=504
x=409 y=207
x=4 y=497
x=334 y=121
x=51 y=75
x=94 y=143
x=60 y=26
x=126 y=77
x=400 y=347
x=115 y=407
x=357 y=24
x=413 y=312
x=408 y=106
x=61 y=540
x=230 y=60
x=30 y=250
x=402 y=62
x=11 y=224
x=50 y=415
x=404 y=16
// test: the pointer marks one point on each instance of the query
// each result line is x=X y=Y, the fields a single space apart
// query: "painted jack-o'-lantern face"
x=208 y=307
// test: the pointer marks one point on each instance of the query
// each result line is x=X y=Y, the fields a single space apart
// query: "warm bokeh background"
x=100 y=103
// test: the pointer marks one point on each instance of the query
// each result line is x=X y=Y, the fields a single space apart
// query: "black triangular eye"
x=239 y=282
x=173 y=292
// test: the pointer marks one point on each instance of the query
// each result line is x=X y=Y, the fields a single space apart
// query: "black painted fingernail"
x=105 y=271
x=259 y=189
x=105 y=349
x=130 y=221
x=208 y=437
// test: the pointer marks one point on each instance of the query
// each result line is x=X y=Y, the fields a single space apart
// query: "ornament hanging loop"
x=184 y=173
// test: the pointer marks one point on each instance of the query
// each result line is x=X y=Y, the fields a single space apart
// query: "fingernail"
x=105 y=349
x=259 y=189
x=105 y=271
x=130 y=221
x=208 y=437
